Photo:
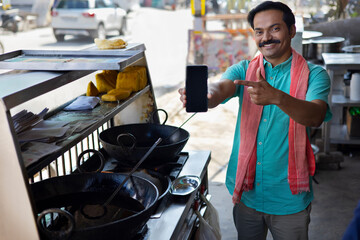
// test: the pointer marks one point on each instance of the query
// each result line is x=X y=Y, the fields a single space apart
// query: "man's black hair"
x=288 y=15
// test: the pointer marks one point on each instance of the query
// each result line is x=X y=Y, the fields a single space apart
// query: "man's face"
x=272 y=36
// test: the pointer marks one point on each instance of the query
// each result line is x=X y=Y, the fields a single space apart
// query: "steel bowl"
x=185 y=185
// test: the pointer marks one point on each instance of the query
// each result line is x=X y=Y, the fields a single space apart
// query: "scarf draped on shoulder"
x=301 y=157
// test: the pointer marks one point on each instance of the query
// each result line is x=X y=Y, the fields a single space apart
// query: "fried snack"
x=116 y=95
x=142 y=75
x=103 y=83
x=110 y=43
x=128 y=80
x=133 y=78
x=110 y=75
x=92 y=90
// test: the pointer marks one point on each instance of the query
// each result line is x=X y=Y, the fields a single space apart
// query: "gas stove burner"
x=171 y=169
x=174 y=173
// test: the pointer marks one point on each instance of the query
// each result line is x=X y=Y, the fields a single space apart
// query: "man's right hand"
x=217 y=92
x=182 y=93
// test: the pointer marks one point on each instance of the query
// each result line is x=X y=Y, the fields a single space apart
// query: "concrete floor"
x=336 y=197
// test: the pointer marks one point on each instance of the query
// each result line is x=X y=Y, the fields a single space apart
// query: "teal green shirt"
x=271 y=193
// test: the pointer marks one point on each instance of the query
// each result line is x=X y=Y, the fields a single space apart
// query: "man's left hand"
x=261 y=92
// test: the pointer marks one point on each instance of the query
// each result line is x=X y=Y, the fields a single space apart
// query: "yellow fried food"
x=133 y=78
x=110 y=75
x=142 y=75
x=128 y=80
x=92 y=90
x=116 y=94
x=110 y=43
x=103 y=83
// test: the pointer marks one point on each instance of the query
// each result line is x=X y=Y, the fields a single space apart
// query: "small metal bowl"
x=185 y=185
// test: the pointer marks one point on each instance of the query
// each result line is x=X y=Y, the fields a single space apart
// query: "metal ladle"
x=141 y=161
x=102 y=208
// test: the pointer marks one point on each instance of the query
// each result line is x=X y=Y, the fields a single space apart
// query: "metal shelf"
x=336 y=64
x=62 y=60
x=341 y=61
x=19 y=86
x=339 y=100
x=104 y=112
x=339 y=135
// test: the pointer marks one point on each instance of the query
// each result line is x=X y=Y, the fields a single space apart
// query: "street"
x=164 y=33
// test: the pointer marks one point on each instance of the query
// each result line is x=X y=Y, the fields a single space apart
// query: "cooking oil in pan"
x=89 y=213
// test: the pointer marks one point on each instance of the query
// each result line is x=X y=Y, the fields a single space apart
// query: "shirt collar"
x=281 y=66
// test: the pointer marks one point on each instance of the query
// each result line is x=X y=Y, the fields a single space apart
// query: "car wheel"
x=99 y=33
x=123 y=28
x=60 y=37
x=11 y=25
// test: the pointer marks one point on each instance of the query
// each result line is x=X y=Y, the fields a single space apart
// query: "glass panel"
x=79 y=4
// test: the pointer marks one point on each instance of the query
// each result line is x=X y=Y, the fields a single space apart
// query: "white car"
x=128 y=5
x=93 y=18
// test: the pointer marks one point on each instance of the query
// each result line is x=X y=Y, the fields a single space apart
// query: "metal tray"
x=185 y=185
x=60 y=60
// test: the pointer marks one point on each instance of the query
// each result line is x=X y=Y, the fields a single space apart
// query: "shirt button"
x=260 y=143
x=271 y=78
x=258 y=184
x=265 y=120
x=259 y=163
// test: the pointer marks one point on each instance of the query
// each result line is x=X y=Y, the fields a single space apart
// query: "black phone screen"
x=196 y=88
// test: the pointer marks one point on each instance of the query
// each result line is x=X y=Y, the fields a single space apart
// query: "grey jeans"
x=254 y=225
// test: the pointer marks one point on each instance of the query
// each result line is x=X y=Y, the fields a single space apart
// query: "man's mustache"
x=268 y=42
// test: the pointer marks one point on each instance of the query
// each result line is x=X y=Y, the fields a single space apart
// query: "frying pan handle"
x=53 y=234
x=126 y=148
x=159 y=110
x=101 y=157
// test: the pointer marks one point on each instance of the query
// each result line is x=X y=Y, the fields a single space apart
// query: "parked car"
x=128 y=5
x=93 y=18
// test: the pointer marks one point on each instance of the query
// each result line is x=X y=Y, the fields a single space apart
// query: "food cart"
x=50 y=78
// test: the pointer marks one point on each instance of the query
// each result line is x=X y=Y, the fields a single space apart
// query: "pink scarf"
x=301 y=156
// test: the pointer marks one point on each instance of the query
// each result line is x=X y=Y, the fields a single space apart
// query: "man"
x=280 y=97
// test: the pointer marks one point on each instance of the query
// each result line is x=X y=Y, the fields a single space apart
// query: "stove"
x=178 y=220
x=175 y=217
x=171 y=168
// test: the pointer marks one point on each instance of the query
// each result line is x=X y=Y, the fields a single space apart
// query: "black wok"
x=77 y=192
x=129 y=150
x=161 y=181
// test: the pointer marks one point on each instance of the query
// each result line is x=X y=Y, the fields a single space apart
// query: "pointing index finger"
x=245 y=83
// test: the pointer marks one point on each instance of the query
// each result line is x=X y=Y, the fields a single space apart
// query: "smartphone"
x=196 y=88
